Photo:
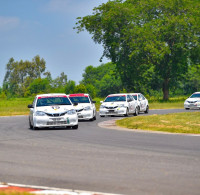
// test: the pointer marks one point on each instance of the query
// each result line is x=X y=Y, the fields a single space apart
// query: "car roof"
x=196 y=92
x=118 y=94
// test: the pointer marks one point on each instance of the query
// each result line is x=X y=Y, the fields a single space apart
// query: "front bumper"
x=45 y=121
x=111 y=112
x=192 y=105
x=85 y=115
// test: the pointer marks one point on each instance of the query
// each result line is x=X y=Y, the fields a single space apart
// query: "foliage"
x=148 y=40
x=20 y=74
x=103 y=78
x=70 y=87
x=80 y=89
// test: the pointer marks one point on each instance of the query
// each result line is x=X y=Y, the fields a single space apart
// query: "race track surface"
x=99 y=159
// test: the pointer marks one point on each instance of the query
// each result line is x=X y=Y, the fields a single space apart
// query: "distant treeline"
x=27 y=78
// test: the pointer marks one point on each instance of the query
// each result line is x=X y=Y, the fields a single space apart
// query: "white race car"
x=118 y=104
x=142 y=102
x=193 y=102
x=85 y=107
x=52 y=110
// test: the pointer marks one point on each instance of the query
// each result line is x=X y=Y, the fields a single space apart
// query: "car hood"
x=112 y=104
x=81 y=106
x=55 y=109
x=193 y=99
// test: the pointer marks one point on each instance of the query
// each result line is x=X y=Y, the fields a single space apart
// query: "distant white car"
x=85 y=107
x=193 y=102
x=118 y=104
x=142 y=102
x=52 y=110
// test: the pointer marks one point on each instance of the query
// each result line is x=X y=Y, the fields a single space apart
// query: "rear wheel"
x=187 y=108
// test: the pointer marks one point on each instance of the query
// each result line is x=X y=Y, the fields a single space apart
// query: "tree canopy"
x=147 y=39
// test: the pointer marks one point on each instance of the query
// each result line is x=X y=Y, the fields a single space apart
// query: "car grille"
x=192 y=102
x=111 y=107
x=56 y=122
x=55 y=114
x=79 y=110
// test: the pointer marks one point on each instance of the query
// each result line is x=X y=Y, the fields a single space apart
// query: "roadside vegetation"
x=174 y=123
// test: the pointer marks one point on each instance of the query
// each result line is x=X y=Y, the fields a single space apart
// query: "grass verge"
x=174 y=123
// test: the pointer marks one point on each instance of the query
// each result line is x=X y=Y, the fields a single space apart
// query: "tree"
x=143 y=37
x=80 y=89
x=103 y=78
x=70 y=87
x=20 y=74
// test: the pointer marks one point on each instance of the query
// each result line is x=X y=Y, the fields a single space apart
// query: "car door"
x=142 y=101
x=130 y=103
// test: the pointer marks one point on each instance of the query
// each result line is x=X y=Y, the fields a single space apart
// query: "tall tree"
x=143 y=37
x=20 y=74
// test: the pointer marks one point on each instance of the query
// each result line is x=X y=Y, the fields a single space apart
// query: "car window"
x=120 y=98
x=48 y=101
x=81 y=99
x=135 y=97
x=143 y=98
x=196 y=95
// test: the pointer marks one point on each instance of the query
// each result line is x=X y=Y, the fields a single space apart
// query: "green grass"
x=173 y=123
x=15 y=106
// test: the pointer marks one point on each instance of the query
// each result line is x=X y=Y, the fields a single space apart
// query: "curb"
x=42 y=190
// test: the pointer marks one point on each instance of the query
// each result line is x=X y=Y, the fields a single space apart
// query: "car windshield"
x=196 y=95
x=82 y=99
x=48 y=101
x=135 y=97
x=120 y=98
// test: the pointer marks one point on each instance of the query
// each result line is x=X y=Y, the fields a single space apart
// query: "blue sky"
x=45 y=27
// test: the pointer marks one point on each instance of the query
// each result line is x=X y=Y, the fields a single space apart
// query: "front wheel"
x=136 y=111
x=30 y=126
x=127 y=112
x=75 y=127
x=147 y=110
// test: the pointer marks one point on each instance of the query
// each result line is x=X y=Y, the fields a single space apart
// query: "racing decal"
x=78 y=95
x=55 y=107
x=40 y=97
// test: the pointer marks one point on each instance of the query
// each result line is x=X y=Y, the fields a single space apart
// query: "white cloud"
x=8 y=23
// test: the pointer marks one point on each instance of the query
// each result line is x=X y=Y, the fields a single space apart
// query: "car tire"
x=127 y=112
x=102 y=115
x=147 y=110
x=187 y=108
x=35 y=128
x=30 y=126
x=75 y=127
x=136 y=111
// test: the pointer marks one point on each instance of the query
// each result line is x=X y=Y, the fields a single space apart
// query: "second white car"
x=85 y=107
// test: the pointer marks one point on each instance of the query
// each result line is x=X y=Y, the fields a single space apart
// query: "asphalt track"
x=99 y=159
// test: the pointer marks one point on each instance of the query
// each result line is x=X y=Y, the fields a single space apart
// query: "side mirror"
x=75 y=104
x=30 y=106
x=101 y=102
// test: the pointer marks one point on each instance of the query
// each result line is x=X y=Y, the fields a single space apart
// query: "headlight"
x=88 y=108
x=102 y=106
x=122 y=105
x=70 y=112
x=40 y=113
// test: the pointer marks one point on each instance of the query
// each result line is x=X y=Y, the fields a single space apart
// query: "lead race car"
x=118 y=104
x=52 y=110
x=85 y=107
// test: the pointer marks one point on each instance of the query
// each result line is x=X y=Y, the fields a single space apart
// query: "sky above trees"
x=45 y=28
